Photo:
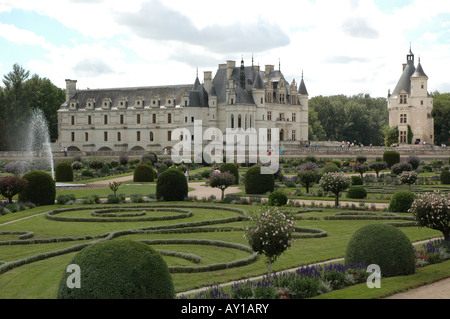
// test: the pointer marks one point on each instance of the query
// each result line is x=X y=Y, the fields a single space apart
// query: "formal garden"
x=311 y=230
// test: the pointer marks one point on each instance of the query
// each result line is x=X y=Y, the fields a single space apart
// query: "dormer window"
x=73 y=104
x=403 y=99
x=90 y=104
x=139 y=102
x=156 y=102
x=123 y=103
x=106 y=103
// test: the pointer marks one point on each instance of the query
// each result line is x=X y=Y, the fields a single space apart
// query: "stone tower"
x=410 y=105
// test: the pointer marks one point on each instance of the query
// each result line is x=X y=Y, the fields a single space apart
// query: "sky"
x=340 y=46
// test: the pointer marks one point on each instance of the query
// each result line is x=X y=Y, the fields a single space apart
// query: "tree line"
x=359 y=118
x=364 y=119
x=19 y=95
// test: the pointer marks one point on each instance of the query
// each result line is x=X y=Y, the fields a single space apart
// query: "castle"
x=143 y=118
x=410 y=105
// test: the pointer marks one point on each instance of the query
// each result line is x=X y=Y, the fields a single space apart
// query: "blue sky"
x=342 y=46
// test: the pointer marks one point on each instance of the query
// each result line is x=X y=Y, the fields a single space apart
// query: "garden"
x=223 y=245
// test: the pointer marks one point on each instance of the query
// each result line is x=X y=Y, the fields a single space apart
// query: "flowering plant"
x=271 y=233
x=221 y=180
x=432 y=210
x=12 y=185
x=408 y=177
x=335 y=182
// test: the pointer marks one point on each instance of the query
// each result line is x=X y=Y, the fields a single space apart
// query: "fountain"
x=38 y=142
x=38 y=145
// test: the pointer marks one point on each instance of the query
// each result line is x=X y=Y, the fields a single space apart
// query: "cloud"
x=357 y=27
x=155 y=21
x=346 y=59
x=92 y=67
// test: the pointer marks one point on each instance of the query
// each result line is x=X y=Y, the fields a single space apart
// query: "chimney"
x=269 y=68
x=230 y=68
x=207 y=80
x=71 y=89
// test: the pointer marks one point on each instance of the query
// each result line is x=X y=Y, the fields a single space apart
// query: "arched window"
x=151 y=136
x=239 y=121
x=232 y=120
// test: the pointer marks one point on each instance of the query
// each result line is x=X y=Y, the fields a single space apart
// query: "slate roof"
x=404 y=83
x=131 y=94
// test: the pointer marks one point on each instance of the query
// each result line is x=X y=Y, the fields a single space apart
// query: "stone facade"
x=410 y=105
x=143 y=118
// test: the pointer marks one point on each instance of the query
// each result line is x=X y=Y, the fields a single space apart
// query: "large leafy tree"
x=18 y=96
x=441 y=115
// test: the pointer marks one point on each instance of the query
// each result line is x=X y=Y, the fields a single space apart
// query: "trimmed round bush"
x=171 y=185
x=64 y=172
x=391 y=158
x=143 y=173
x=230 y=167
x=119 y=269
x=257 y=183
x=401 y=167
x=357 y=192
x=277 y=198
x=383 y=245
x=41 y=189
x=401 y=201
x=445 y=177
x=357 y=180
x=330 y=167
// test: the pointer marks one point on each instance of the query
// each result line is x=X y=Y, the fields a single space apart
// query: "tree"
x=308 y=175
x=441 y=114
x=221 y=180
x=408 y=177
x=335 y=182
x=390 y=135
x=270 y=233
x=432 y=210
x=377 y=167
x=360 y=168
x=11 y=186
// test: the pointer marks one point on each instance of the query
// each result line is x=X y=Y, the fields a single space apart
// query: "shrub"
x=360 y=168
x=308 y=175
x=119 y=269
x=378 y=166
x=401 y=201
x=143 y=173
x=230 y=167
x=330 y=167
x=335 y=183
x=123 y=160
x=64 y=172
x=414 y=161
x=432 y=210
x=391 y=158
x=221 y=180
x=277 y=198
x=11 y=186
x=357 y=180
x=172 y=185
x=87 y=173
x=361 y=159
x=270 y=233
x=41 y=189
x=96 y=163
x=401 y=167
x=257 y=183
x=445 y=177
x=357 y=192
x=408 y=177
x=383 y=245
x=77 y=165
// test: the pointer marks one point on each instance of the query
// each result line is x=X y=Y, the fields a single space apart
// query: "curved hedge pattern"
x=112 y=213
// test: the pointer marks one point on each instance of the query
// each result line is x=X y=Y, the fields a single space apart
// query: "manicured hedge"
x=257 y=183
x=41 y=189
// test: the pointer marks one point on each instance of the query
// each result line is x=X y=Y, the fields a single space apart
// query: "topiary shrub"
x=230 y=167
x=357 y=192
x=277 y=198
x=64 y=172
x=171 y=185
x=257 y=183
x=119 y=269
x=383 y=245
x=391 y=158
x=357 y=180
x=143 y=173
x=401 y=201
x=445 y=177
x=330 y=167
x=401 y=167
x=41 y=189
